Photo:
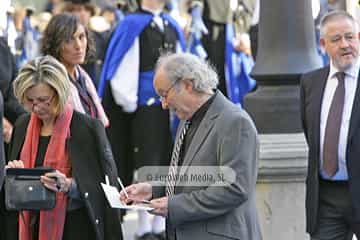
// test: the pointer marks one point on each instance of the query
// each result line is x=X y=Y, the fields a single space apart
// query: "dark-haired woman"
x=66 y=39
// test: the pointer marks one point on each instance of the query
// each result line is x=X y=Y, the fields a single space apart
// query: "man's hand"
x=136 y=192
x=242 y=43
x=160 y=206
x=7 y=130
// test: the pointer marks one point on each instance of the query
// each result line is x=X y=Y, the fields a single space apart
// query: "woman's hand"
x=15 y=164
x=56 y=181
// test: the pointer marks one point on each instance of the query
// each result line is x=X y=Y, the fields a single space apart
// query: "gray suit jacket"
x=226 y=137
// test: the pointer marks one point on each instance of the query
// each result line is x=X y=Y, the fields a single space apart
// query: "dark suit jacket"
x=226 y=137
x=2 y=152
x=8 y=72
x=91 y=159
x=311 y=93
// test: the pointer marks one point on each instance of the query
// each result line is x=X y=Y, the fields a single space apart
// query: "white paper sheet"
x=113 y=197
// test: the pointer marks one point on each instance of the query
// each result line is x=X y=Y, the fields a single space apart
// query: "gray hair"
x=185 y=66
x=46 y=70
x=335 y=16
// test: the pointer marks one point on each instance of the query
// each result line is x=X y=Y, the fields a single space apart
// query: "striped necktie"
x=170 y=184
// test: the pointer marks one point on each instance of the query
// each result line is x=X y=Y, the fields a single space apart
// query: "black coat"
x=8 y=72
x=311 y=95
x=2 y=151
x=91 y=158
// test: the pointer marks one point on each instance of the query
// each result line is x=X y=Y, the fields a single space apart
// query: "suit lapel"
x=202 y=132
x=319 y=92
x=355 y=112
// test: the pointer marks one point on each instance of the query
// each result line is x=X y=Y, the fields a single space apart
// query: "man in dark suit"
x=213 y=133
x=10 y=108
x=2 y=152
x=8 y=72
x=330 y=110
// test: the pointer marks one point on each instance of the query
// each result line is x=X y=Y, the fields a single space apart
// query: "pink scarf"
x=76 y=102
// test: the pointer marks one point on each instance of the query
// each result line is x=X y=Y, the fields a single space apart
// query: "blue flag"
x=238 y=66
x=31 y=43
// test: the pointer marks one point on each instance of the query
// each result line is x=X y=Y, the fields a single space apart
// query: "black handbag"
x=24 y=191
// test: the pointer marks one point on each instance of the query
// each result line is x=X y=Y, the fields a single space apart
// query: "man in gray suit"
x=213 y=132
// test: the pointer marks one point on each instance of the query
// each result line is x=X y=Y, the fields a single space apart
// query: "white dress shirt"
x=157 y=19
x=351 y=81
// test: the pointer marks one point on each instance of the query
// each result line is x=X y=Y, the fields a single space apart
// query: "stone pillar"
x=281 y=186
x=286 y=49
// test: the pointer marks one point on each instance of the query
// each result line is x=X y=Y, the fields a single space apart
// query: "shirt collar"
x=152 y=11
x=200 y=113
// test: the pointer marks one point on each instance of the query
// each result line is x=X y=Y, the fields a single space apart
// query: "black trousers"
x=335 y=221
x=214 y=44
x=253 y=32
x=77 y=226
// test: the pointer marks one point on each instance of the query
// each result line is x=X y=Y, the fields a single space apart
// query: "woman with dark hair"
x=66 y=39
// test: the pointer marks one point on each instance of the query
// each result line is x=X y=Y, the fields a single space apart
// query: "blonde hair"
x=46 y=70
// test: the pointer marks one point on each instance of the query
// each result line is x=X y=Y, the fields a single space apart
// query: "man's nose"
x=344 y=43
x=164 y=104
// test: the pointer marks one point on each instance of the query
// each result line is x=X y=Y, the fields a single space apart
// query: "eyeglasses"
x=41 y=101
x=166 y=93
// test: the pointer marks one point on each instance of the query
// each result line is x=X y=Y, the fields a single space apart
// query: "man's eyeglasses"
x=166 y=93
x=41 y=101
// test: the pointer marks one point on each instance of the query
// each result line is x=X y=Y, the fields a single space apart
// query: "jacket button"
x=86 y=195
x=97 y=221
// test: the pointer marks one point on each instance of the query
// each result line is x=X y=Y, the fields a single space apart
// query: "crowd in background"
x=29 y=33
x=25 y=24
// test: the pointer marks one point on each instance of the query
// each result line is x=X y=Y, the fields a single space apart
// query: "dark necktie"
x=170 y=184
x=332 y=130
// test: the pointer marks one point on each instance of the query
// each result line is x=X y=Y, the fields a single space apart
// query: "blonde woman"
x=56 y=136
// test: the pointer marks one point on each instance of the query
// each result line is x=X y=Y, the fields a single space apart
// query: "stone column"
x=281 y=186
x=286 y=49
